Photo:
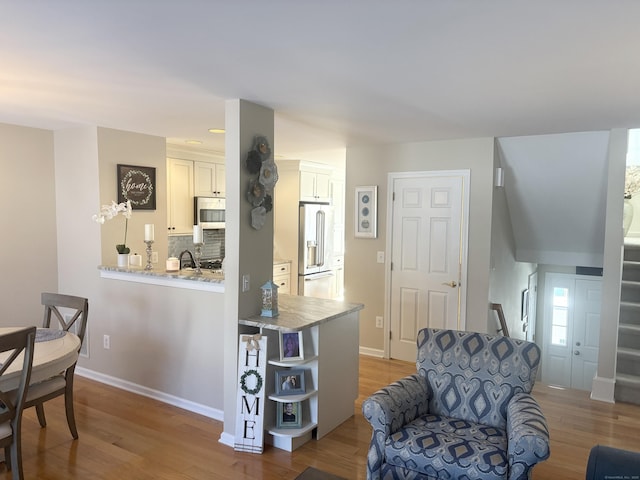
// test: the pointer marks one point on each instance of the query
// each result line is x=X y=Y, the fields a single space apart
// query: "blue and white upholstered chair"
x=467 y=413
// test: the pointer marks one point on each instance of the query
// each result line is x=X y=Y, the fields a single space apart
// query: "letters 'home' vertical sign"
x=252 y=364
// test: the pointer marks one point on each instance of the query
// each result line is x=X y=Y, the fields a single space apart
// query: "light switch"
x=380 y=257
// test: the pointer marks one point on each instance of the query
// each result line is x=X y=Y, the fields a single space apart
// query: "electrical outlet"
x=154 y=257
x=106 y=342
x=378 y=322
x=380 y=257
x=246 y=283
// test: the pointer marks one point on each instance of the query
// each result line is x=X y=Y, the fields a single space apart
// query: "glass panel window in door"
x=559 y=320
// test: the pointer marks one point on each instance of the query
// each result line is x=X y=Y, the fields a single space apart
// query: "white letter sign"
x=252 y=363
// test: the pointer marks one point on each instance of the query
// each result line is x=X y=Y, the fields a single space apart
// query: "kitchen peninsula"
x=330 y=332
x=190 y=308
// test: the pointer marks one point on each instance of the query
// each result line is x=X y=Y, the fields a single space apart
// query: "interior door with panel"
x=586 y=333
x=428 y=256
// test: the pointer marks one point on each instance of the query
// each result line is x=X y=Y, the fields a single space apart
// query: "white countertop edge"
x=163 y=281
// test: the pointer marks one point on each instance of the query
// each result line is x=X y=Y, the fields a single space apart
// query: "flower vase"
x=123 y=260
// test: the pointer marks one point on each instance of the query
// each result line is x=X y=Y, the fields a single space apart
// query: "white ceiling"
x=336 y=72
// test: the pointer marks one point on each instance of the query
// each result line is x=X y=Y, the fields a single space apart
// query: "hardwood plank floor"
x=125 y=436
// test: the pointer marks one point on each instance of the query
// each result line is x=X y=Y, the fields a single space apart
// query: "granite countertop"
x=184 y=274
x=185 y=278
x=297 y=313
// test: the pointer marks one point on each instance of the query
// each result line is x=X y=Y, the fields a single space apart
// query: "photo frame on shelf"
x=366 y=214
x=137 y=184
x=289 y=415
x=291 y=347
x=290 y=382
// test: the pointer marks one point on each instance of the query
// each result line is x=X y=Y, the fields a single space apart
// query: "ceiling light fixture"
x=216 y=130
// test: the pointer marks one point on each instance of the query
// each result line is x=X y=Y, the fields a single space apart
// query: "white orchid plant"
x=107 y=212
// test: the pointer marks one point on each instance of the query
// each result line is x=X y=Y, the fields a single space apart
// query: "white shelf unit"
x=291 y=438
x=331 y=382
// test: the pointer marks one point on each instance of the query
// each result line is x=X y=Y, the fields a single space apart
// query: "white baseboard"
x=603 y=389
x=155 y=394
x=227 y=439
x=372 y=352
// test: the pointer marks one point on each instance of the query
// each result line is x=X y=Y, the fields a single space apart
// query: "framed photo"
x=291 y=347
x=366 y=212
x=289 y=382
x=137 y=184
x=289 y=415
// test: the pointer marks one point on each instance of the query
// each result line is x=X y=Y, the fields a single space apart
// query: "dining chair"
x=71 y=313
x=12 y=401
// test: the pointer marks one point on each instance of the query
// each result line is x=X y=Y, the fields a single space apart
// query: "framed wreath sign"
x=137 y=184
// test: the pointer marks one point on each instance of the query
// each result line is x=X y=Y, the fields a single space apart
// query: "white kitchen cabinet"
x=315 y=185
x=179 y=196
x=209 y=179
x=282 y=276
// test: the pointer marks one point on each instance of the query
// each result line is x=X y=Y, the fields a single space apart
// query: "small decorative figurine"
x=269 y=299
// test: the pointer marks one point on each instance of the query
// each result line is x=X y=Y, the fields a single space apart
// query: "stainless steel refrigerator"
x=315 y=279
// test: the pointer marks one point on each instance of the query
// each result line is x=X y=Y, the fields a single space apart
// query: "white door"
x=586 y=333
x=572 y=326
x=428 y=255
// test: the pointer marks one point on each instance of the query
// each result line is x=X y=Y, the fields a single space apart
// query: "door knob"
x=451 y=284
x=577 y=352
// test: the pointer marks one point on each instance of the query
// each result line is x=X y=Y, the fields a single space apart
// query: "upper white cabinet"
x=190 y=172
x=209 y=179
x=179 y=196
x=315 y=184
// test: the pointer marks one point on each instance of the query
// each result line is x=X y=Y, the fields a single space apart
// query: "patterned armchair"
x=467 y=413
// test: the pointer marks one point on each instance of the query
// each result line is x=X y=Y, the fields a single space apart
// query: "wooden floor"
x=125 y=436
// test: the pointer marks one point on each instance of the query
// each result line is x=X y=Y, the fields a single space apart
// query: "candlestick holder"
x=197 y=256
x=149 y=252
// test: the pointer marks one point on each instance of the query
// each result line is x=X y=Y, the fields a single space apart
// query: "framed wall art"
x=137 y=184
x=290 y=382
x=366 y=202
x=289 y=415
x=291 y=347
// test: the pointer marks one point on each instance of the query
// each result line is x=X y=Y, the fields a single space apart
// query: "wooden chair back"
x=16 y=342
x=76 y=309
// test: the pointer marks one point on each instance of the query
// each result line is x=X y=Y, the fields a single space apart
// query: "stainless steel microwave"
x=209 y=212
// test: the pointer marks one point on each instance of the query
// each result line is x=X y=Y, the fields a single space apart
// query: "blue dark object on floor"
x=609 y=463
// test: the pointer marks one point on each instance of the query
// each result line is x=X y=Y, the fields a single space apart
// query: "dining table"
x=54 y=351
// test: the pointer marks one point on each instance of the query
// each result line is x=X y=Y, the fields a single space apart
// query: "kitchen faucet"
x=193 y=262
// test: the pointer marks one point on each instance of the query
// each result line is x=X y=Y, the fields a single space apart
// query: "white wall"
x=28 y=210
x=364 y=278
x=508 y=277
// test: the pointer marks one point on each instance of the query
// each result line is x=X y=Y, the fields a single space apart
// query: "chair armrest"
x=528 y=435
x=389 y=409
x=397 y=404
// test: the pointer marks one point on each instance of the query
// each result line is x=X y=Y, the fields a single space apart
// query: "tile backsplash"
x=213 y=244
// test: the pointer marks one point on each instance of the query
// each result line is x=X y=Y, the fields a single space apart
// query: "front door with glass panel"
x=571 y=330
